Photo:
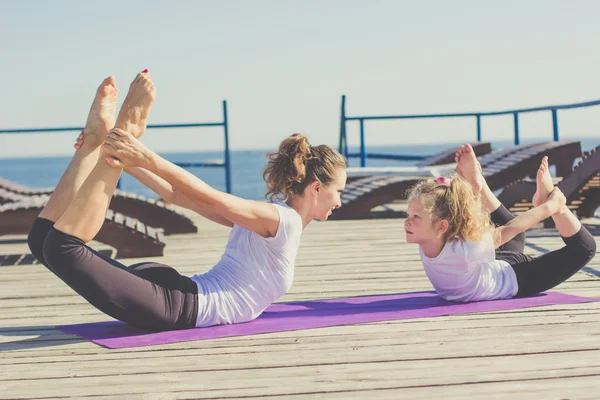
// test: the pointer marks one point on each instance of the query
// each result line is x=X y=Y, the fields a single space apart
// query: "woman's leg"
x=100 y=120
x=163 y=300
x=150 y=296
x=553 y=268
x=84 y=217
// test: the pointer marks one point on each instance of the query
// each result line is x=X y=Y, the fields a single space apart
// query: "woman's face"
x=328 y=196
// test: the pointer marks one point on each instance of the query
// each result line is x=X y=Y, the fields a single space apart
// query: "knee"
x=586 y=249
x=592 y=249
x=60 y=247
x=37 y=237
x=521 y=238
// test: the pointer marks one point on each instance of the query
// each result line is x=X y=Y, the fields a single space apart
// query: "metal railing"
x=226 y=158
x=343 y=145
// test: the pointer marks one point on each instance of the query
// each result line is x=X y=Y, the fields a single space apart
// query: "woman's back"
x=252 y=273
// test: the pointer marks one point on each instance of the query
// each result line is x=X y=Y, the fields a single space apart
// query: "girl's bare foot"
x=469 y=167
x=136 y=107
x=543 y=182
x=101 y=118
x=556 y=201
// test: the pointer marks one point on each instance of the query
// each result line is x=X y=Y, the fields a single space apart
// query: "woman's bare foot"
x=469 y=167
x=543 y=182
x=136 y=107
x=101 y=118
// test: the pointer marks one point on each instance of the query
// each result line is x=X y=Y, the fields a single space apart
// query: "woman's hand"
x=79 y=141
x=125 y=150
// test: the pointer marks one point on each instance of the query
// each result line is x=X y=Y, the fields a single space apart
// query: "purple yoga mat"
x=315 y=314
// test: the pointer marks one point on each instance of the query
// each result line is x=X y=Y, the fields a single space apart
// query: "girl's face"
x=419 y=225
x=327 y=197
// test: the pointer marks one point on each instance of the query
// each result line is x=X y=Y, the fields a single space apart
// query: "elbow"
x=170 y=197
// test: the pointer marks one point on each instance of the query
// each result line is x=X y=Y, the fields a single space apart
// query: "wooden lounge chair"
x=362 y=195
x=499 y=168
x=506 y=166
x=152 y=212
x=129 y=236
x=447 y=156
x=443 y=158
x=581 y=188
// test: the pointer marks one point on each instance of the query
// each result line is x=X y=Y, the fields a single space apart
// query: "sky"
x=282 y=66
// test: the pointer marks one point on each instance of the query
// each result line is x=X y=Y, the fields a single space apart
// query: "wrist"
x=151 y=160
x=549 y=210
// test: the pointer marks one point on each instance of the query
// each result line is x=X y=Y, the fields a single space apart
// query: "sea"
x=246 y=166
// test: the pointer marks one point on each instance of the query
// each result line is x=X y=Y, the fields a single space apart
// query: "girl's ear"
x=443 y=227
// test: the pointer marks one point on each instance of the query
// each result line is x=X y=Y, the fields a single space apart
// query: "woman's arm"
x=172 y=196
x=259 y=217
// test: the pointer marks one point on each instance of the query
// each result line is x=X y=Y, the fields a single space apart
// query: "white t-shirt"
x=469 y=271
x=252 y=273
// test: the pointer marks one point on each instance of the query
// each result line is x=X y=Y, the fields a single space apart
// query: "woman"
x=257 y=267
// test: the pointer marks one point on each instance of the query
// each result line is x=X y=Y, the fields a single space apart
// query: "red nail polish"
x=145 y=71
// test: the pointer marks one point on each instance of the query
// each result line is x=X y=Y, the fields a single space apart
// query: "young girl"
x=258 y=264
x=466 y=258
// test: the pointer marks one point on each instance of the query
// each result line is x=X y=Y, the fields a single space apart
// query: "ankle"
x=564 y=210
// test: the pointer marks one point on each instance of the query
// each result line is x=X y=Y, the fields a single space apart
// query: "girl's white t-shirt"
x=468 y=271
x=252 y=273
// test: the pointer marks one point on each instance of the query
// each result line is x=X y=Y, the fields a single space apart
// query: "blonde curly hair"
x=453 y=200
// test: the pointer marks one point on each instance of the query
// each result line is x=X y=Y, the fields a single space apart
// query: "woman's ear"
x=315 y=188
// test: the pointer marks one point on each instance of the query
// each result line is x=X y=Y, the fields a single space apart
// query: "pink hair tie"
x=443 y=181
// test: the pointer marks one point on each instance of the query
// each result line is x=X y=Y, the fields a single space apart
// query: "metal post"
x=363 y=152
x=343 y=146
x=227 y=159
x=479 y=128
x=555 y=124
x=517 y=141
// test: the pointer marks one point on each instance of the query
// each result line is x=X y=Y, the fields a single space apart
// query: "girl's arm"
x=524 y=221
x=172 y=196
x=259 y=217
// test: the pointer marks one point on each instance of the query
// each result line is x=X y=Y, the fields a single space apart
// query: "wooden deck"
x=547 y=352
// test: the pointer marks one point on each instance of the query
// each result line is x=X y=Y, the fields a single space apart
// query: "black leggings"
x=146 y=295
x=535 y=275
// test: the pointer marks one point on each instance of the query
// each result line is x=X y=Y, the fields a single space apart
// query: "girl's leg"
x=553 y=268
x=150 y=296
x=470 y=169
x=100 y=120
x=85 y=215
x=566 y=222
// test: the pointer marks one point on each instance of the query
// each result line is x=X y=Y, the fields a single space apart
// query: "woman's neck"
x=432 y=248
x=303 y=209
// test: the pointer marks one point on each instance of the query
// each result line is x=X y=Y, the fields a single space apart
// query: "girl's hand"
x=125 y=150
